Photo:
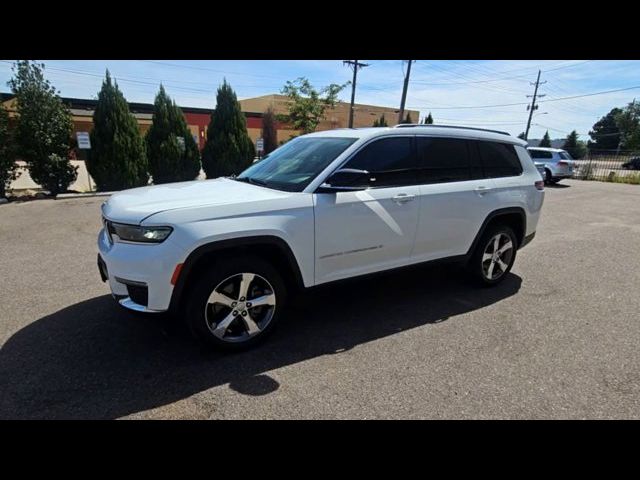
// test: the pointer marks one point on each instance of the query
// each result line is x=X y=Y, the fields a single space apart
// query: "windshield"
x=295 y=164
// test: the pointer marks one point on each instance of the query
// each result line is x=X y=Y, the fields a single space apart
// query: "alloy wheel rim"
x=240 y=307
x=497 y=256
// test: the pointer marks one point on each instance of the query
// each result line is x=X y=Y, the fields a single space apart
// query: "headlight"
x=136 y=233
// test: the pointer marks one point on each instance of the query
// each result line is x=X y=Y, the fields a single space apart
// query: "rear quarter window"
x=499 y=159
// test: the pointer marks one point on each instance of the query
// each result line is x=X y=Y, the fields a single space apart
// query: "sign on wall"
x=260 y=144
x=83 y=140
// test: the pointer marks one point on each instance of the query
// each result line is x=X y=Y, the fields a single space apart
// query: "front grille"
x=139 y=294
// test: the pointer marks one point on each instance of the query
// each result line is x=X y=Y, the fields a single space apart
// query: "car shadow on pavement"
x=97 y=360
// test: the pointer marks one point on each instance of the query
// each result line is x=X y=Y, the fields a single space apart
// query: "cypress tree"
x=546 y=140
x=171 y=150
x=43 y=131
x=428 y=120
x=575 y=147
x=381 y=122
x=269 y=131
x=117 y=159
x=228 y=150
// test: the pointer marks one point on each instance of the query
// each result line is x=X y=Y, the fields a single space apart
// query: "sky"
x=478 y=93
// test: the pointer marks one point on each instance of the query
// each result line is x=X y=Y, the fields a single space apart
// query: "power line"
x=527 y=103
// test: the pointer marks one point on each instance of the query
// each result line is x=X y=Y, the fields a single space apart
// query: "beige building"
x=338 y=117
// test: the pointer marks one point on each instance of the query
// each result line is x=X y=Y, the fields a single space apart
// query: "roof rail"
x=409 y=125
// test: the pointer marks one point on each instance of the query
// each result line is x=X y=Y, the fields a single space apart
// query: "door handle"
x=482 y=189
x=403 y=198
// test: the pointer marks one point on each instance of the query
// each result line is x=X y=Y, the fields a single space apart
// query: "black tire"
x=548 y=177
x=227 y=270
x=476 y=266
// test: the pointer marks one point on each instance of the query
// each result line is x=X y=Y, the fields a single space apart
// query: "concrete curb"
x=62 y=196
x=3 y=200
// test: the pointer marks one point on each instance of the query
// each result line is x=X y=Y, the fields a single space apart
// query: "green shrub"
x=170 y=158
x=117 y=159
x=43 y=130
x=228 y=150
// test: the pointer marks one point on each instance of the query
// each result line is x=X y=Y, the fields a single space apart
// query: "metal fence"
x=607 y=168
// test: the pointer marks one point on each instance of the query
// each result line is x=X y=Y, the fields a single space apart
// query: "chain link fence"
x=608 y=167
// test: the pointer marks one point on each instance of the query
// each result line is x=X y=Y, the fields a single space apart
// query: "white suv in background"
x=331 y=205
x=557 y=163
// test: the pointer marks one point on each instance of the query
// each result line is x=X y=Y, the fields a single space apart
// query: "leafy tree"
x=8 y=167
x=428 y=119
x=228 y=150
x=380 y=122
x=308 y=105
x=117 y=159
x=269 y=131
x=546 y=140
x=43 y=130
x=605 y=132
x=576 y=148
x=172 y=152
x=628 y=122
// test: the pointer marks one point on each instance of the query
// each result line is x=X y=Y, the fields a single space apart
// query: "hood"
x=133 y=206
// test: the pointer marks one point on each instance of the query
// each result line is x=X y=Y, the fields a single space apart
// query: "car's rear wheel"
x=548 y=177
x=236 y=304
x=494 y=255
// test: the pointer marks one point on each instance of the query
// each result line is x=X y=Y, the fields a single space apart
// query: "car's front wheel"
x=494 y=255
x=236 y=304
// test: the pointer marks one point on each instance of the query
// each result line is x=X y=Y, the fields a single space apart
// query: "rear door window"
x=443 y=160
x=536 y=154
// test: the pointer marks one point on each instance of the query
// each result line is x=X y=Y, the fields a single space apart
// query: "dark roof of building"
x=88 y=104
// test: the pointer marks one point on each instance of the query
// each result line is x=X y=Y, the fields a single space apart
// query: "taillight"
x=562 y=162
x=539 y=184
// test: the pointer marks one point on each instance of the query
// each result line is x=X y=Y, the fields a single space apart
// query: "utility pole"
x=355 y=65
x=404 y=92
x=533 y=105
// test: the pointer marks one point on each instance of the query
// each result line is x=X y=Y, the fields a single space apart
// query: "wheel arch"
x=271 y=248
x=514 y=217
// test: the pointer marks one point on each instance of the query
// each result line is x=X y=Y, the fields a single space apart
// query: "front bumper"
x=136 y=271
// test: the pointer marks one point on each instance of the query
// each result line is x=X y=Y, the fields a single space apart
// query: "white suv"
x=326 y=206
x=557 y=163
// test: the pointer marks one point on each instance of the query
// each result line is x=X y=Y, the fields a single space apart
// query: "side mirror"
x=346 y=180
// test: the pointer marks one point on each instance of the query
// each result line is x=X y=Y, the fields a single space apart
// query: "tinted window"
x=443 y=160
x=565 y=156
x=499 y=160
x=390 y=160
x=540 y=154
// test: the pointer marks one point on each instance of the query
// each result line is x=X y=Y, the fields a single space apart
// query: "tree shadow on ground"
x=97 y=360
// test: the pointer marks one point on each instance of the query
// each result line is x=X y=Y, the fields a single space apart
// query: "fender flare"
x=495 y=214
x=197 y=254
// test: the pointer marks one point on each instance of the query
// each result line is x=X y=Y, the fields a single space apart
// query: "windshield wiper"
x=255 y=181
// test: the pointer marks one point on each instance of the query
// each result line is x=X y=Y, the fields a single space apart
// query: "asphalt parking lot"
x=559 y=338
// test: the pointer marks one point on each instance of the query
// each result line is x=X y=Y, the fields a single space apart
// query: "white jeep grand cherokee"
x=327 y=206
